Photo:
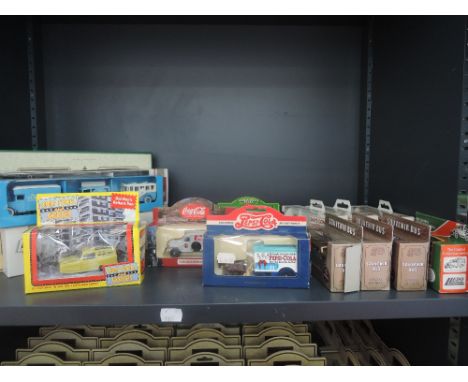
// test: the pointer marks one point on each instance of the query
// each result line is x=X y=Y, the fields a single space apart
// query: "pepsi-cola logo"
x=255 y=221
x=194 y=211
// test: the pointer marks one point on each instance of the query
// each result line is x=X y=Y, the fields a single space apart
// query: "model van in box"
x=256 y=246
x=179 y=232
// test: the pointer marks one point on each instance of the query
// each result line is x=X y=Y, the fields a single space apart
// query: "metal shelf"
x=182 y=289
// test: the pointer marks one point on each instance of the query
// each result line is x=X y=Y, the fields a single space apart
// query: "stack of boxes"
x=264 y=344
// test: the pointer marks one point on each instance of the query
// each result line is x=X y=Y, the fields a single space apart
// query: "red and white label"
x=194 y=211
x=256 y=221
x=123 y=201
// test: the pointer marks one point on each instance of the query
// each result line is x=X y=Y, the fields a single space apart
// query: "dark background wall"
x=14 y=102
x=417 y=100
x=267 y=110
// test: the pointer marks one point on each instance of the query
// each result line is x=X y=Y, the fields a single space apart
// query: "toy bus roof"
x=37 y=186
x=90 y=184
x=139 y=184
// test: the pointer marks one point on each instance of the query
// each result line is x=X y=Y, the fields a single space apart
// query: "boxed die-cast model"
x=18 y=196
x=448 y=264
x=179 y=233
x=69 y=251
x=336 y=254
x=83 y=256
x=256 y=246
x=410 y=256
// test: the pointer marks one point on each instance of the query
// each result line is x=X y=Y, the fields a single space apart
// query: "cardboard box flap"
x=41 y=359
x=153 y=329
x=137 y=335
x=277 y=344
x=229 y=330
x=407 y=230
x=123 y=359
x=205 y=346
x=442 y=227
x=206 y=359
x=203 y=334
x=66 y=336
x=352 y=277
x=137 y=348
x=253 y=329
x=374 y=230
x=82 y=330
x=257 y=339
x=289 y=358
x=58 y=349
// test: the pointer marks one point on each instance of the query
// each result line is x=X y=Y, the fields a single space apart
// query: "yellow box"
x=43 y=257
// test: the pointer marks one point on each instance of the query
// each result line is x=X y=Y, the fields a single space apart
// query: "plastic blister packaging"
x=256 y=246
x=255 y=255
x=76 y=250
x=83 y=256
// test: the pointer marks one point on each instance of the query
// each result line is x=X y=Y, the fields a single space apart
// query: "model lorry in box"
x=179 y=233
x=448 y=264
x=256 y=246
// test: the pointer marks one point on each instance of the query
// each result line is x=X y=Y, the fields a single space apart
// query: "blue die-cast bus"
x=24 y=197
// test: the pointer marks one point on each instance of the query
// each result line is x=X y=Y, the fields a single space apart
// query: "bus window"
x=20 y=197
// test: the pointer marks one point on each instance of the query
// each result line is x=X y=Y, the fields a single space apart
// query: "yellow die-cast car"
x=91 y=259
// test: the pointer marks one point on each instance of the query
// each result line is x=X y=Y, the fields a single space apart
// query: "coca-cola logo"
x=194 y=211
x=255 y=221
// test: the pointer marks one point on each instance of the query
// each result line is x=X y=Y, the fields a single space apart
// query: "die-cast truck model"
x=192 y=241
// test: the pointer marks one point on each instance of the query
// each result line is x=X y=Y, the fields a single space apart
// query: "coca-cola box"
x=179 y=233
x=256 y=246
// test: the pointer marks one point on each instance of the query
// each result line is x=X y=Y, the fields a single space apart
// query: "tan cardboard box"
x=410 y=252
x=131 y=347
x=206 y=359
x=41 y=359
x=336 y=254
x=288 y=358
x=376 y=253
x=203 y=334
x=257 y=328
x=59 y=349
x=260 y=338
x=206 y=345
x=123 y=359
x=136 y=335
x=183 y=330
x=69 y=337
